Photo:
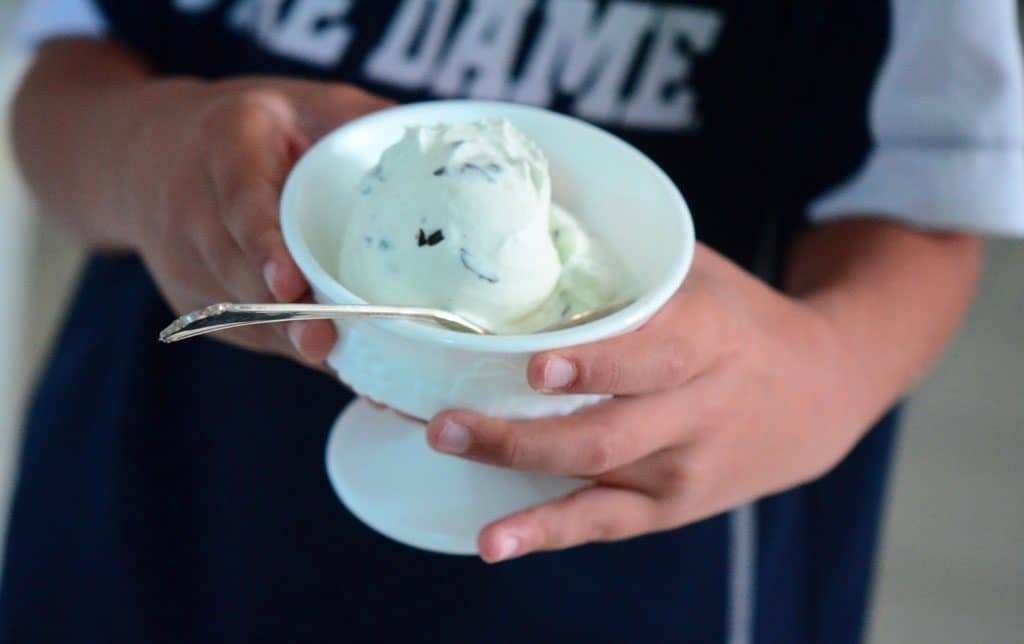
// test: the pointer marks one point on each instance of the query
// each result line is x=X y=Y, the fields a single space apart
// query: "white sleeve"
x=946 y=122
x=44 y=19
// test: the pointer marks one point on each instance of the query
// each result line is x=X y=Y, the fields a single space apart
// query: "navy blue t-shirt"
x=178 y=493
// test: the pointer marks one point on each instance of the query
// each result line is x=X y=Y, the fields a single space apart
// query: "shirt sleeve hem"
x=975 y=190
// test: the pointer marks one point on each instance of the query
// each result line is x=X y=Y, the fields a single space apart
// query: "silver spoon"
x=218 y=317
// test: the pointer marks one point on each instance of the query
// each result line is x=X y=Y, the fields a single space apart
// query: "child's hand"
x=204 y=181
x=732 y=392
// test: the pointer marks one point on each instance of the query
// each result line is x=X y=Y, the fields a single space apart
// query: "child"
x=844 y=153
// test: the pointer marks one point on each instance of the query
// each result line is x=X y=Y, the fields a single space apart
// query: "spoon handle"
x=218 y=317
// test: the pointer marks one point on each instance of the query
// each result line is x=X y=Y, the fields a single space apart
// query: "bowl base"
x=381 y=467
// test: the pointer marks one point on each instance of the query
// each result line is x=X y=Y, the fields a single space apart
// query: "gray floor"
x=953 y=563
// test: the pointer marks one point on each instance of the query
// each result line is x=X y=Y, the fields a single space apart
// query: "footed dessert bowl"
x=378 y=461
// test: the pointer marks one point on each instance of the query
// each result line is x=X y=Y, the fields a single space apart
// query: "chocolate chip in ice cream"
x=435 y=238
x=466 y=258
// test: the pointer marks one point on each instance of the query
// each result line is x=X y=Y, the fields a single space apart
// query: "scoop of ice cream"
x=590 y=276
x=456 y=218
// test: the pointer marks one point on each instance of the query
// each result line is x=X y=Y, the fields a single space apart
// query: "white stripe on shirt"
x=742 y=574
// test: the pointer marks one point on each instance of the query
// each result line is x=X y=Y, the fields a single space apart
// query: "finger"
x=250 y=214
x=689 y=483
x=327 y=106
x=589 y=515
x=665 y=473
x=233 y=271
x=259 y=340
x=678 y=345
x=228 y=265
x=247 y=173
x=313 y=340
x=598 y=439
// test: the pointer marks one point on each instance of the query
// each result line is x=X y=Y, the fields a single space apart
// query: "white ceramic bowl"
x=619 y=194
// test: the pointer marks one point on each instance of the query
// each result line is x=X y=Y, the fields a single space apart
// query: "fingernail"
x=453 y=438
x=559 y=373
x=294 y=334
x=270 y=276
x=507 y=547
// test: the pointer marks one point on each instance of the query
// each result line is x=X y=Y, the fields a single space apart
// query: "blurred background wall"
x=952 y=567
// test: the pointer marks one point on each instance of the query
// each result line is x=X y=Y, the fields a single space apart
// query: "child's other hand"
x=203 y=185
x=733 y=391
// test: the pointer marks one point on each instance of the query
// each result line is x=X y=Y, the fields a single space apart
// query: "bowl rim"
x=631 y=317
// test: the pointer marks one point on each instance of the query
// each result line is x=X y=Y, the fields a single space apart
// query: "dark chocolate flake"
x=384 y=244
x=465 y=258
x=495 y=168
x=368 y=241
x=439 y=172
x=433 y=239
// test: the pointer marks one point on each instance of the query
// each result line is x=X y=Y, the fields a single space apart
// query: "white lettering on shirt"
x=312 y=30
x=480 y=59
x=394 y=60
x=583 y=51
x=577 y=53
x=662 y=98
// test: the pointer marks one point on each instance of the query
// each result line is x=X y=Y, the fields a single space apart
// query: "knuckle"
x=605 y=527
x=257 y=241
x=678 y=360
x=674 y=472
x=715 y=410
x=511 y=450
x=244 y=114
x=603 y=452
x=604 y=374
x=548 y=535
x=242 y=201
x=255 y=105
x=244 y=211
